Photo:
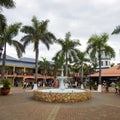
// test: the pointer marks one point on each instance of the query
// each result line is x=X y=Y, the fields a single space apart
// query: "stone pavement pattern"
x=20 y=105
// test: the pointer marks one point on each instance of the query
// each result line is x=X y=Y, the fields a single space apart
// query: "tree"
x=116 y=30
x=68 y=50
x=44 y=64
x=80 y=61
x=97 y=45
x=7 y=4
x=7 y=34
x=35 y=34
x=58 y=62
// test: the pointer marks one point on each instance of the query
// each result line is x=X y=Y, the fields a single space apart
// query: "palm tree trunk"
x=99 y=86
x=82 y=74
x=66 y=64
x=100 y=69
x=82 y=86
x=3 y=63
x=36 y=64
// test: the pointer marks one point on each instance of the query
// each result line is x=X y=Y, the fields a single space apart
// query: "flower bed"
x=61 y=97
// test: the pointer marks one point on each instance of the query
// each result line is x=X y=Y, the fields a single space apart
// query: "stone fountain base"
x=62 y=97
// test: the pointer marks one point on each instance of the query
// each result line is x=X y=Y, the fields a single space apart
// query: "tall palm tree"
x=97 y=45
x=35 y=34
x=116 y=30
x=7 y=34
x=68 y=50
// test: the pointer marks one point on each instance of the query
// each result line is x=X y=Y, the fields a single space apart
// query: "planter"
x=95 y=87
x=5 y=91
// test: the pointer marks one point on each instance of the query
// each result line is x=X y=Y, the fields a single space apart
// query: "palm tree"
x=97 y=45
x=80 y=61
x=44 y=64
x=58 y=62
x=7 y=4
x=7 y=34
x=116 y=30
x=68 y=51
x=35 y=34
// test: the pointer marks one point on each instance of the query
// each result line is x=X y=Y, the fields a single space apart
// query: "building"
x=105 y=62
x=22 y=69
x=109 y=74
x=19 y=66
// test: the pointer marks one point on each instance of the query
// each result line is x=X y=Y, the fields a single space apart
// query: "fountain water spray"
x=61 y=80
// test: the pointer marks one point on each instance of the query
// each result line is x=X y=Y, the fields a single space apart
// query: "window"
x=106 y=63
x=101 y=63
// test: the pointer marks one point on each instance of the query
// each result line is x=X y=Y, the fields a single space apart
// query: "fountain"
x=62 y=94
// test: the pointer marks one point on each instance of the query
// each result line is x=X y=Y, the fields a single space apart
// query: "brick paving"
x=20 y=105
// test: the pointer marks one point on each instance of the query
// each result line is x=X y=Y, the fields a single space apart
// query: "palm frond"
x=7 y=3
x=19 y=47
x=26 y=40
x=27 y=29
x=2 y=23
x=116 y=30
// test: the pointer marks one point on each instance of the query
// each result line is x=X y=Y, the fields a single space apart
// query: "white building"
x=105 y=62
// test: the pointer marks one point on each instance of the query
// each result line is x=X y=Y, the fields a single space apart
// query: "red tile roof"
x=113 y=71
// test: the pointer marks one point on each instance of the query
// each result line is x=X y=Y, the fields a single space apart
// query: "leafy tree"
x=97 y=45
x=35 y=34
x=68 y=50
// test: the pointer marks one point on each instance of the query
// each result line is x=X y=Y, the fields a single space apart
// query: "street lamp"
x=1 y=49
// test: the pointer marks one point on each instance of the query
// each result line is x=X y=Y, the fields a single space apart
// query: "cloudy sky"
x=80 y=17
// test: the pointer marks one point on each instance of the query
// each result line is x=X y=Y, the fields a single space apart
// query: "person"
x=16 y=83
x=76 y=84
x=107 y=87
x=104 y=86
x=24 y=84
x=118 y=87
x=32 y=85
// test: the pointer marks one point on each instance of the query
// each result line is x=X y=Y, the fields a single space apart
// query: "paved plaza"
x=20 y=105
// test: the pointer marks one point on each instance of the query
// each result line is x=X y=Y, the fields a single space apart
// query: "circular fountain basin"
x=62 y=95
x=62 y=90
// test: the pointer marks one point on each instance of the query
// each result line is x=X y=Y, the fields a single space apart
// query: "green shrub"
x=7 y=83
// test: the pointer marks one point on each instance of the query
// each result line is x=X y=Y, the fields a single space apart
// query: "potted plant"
x=95 y=87
x=5 y=90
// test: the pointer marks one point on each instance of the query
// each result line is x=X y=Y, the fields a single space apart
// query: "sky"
x=82 y=18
